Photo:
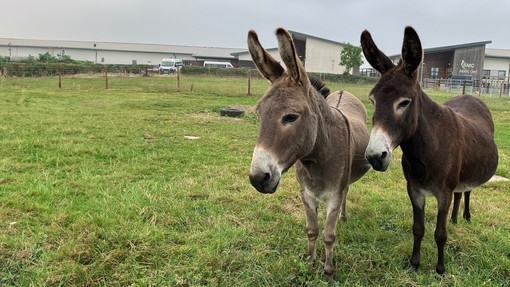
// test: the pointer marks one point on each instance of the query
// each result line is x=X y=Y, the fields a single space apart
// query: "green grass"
x=101 y=188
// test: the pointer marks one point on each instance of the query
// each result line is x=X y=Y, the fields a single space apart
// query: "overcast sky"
x=225 y=23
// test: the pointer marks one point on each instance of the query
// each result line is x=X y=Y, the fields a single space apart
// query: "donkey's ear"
x=374 y=56
x=267 y=65
x=290 y=57
x=412 y=53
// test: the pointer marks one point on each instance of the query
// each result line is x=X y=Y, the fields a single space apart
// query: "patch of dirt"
x=497 y=178
x=215 y=116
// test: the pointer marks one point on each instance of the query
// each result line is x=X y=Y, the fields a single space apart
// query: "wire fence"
x=490 y=87
x=38 y=69
x=65 y=71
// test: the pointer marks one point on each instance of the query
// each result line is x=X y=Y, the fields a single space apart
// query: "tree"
x=350 y=57
x=45 y=58
x=60 y=58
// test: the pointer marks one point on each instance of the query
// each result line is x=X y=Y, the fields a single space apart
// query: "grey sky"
x=225 y=23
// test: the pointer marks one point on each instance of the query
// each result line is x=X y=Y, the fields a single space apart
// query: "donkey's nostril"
x=379 y=161
x=260 y=180
x=266 y=179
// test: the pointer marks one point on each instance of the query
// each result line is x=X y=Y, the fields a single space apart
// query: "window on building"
x=486 y=74
x=501 y=74
x=434 y=72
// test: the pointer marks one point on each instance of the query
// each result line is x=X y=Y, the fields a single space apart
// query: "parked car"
x=169 y=65
x=210 y=64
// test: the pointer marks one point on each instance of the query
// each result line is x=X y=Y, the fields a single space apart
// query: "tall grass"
x=103 y=188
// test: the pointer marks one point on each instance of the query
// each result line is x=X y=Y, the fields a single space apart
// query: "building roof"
x=245 y=51
x=497 y=53
x=295 y=36
x=302 y=36
x=455 y=47
x=194 y=51
x=449 y=48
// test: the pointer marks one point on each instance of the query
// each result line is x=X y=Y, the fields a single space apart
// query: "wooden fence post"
x=464 y=88
x=106 y=76
x=249 y=83
x=178 y=81
x=59 y=77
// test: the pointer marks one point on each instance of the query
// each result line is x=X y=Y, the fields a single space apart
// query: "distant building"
x=317 y=54
x=465 y=59
x=115 y=53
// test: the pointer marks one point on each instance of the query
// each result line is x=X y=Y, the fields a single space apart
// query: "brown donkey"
x=326 y=138
x=447 y=149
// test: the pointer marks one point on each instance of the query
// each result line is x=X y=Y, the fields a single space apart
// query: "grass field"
x=102 y=188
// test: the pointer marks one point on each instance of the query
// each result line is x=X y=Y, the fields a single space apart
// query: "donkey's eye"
x=403 y=104
x=290 y=118
x=371 y=99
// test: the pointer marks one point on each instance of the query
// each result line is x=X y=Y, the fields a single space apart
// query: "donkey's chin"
x=378 y=163
x=268 y=189
x=382 y=167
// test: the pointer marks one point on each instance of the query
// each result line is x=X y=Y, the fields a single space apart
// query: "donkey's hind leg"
x=329 y=234
x=343 y=212
x=312 y=223
x=467 y=213
x=456 y=203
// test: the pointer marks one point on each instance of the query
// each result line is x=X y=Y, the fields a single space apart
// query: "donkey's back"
x=476 y=140
x=356 y=115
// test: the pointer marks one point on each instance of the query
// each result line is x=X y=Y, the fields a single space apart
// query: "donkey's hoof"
x=440 y=270
x=329 y=276
x=331 y=280
x=414 y=265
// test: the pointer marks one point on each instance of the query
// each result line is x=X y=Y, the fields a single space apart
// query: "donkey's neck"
x=326 y=123
x=436 y=124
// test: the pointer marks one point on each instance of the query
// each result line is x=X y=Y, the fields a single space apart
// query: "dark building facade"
x=443 y=62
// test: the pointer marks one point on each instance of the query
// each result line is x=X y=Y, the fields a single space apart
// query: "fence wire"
x=490 y=87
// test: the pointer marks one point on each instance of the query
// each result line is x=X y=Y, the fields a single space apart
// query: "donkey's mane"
x=319 y=86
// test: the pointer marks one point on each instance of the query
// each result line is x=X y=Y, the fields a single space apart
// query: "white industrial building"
x=317 y=54
x=113 y=53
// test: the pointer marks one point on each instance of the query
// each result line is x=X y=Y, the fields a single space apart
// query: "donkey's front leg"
x=444 y=199
x=312 y=223
x=418 y=203
x=333 y=208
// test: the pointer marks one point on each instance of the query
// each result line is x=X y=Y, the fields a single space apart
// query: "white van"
x=169 y=65
x=210 y=64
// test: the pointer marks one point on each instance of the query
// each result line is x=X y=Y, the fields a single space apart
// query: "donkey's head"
x=396 y=97
x=288 y=113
